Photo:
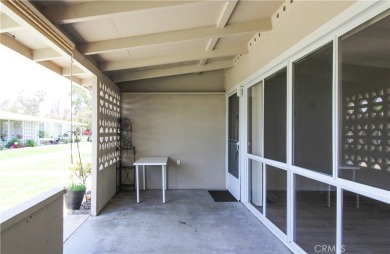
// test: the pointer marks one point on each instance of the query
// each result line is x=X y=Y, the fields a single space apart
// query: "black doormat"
x=222 y=196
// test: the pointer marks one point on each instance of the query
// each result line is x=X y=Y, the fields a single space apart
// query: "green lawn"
x=27 y=172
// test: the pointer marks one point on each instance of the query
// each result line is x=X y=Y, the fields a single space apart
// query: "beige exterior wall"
x=211 y=81
x=188 y=127
x=298 y=21
x=106 y=182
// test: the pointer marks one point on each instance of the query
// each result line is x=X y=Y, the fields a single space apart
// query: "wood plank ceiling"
x=133 y=40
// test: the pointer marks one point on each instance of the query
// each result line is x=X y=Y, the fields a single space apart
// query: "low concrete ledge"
x=35 y=226
x=25 y=209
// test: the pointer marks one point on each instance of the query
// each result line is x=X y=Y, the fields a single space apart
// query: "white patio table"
x=151 y=161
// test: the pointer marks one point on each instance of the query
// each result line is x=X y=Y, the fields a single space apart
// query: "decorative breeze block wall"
x=108 y=114
x=366 y=132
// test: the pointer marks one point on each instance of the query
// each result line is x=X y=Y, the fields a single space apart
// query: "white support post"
x=9 y=130
x=137 y=182
x=339 y=221
x=143 y=177
x=163 y=182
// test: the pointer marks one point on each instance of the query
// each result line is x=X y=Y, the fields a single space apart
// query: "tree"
x=4 y=106
x=29 y=104
x=82 y=105
x=55 y=111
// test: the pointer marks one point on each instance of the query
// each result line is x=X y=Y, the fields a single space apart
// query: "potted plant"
x=75 y=192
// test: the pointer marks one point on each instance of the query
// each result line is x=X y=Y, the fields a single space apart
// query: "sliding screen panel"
x=276 y=197
x=366 y=224
x=365 y=105
x=312 y=111
x=275 y=113
x=255 y=180
x=315 y=215
x=255 y=119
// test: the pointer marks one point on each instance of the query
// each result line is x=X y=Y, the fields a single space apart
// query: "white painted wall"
x=183 y=126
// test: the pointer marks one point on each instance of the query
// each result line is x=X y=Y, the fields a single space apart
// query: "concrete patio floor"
x=190 y=222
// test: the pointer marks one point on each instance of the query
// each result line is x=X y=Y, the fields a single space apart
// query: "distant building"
x=26 y=127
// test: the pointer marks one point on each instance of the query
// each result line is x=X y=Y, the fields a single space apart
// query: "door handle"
x=238 y=146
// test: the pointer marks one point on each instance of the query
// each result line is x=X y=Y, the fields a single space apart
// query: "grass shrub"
x=76 y=187
x=30 y=143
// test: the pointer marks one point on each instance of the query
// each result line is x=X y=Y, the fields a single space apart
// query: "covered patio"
x=285 y=104
x=190 y=222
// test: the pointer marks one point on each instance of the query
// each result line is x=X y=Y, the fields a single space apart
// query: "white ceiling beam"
x=102 y=9
x=227 y=11
x=87 y=83
x=13 y=44
x=75 y=80
x=51 y=66
x=8 y=25
x=68 y=71
x=41 y=29
x=175 y=36
x=130 y=76
x=210 y=46
x=45 y=54
x=89 y=68
x=63 y=71
x=203 y=61
x=168 y=59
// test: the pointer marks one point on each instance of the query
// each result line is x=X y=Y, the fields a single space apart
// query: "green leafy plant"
x=76 y=187
x=30 y=143
x=42 y=134
x=80 y=172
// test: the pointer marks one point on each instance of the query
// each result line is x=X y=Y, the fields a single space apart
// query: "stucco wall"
x=35 y=226
x=187 y=127
x=106 y=182
x=298 y=21
x=211 y=81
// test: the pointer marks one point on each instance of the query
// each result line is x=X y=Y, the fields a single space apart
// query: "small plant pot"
x=73 y=199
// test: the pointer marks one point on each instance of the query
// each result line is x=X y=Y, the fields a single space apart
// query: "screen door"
x=233 y=173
